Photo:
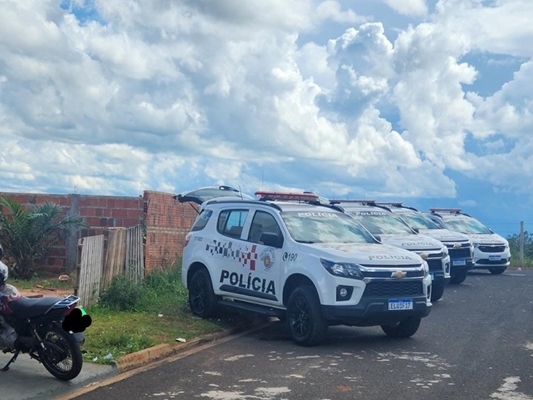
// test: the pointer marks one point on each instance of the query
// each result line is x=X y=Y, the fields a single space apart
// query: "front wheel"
x=62 y=355
x=458 y=278
x=202 y=300
x=497 y=270
x=402 y=329
x=304 y=317
x=436 y=293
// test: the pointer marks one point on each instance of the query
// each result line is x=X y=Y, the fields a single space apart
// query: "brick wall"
x=100 y=213
x=166 y=222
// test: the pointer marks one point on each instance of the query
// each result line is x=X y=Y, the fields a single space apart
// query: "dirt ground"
x=38 y=292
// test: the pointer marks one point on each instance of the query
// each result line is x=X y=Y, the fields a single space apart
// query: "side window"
x=201 y=220
x=263 y=223
x=230 y=222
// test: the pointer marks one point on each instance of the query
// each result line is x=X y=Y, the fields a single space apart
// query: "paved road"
x=476 y=344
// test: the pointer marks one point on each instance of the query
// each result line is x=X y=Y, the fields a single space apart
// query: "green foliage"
x=122 y=295
x=27 y=234
x=160 y=292
x=514 y=245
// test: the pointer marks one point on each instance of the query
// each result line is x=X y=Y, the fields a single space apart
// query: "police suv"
x=392 y=229
x=459 y=245
x=491 y=251
x=310 y=264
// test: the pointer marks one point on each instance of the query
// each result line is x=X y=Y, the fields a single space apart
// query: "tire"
x=62 y=356
x=436 y=293
x=458 y=278
x=402 y=329
x=202 y=300
x=497 y=270
x=305 y=322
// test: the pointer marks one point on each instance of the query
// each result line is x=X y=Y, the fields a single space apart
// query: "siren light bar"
x=263 y=195
x=390 y=203
x=455 y=210
x=336 y=201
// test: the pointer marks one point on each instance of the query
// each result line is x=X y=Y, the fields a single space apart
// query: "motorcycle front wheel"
x=62 y=355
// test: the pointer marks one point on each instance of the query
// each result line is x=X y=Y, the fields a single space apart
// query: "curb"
x=147 y=356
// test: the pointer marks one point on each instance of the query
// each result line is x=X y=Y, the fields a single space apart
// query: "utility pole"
x=521 y=244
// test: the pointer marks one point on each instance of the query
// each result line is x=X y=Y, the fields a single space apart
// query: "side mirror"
x=271 y=239
x=378 y=238
x=416 y=230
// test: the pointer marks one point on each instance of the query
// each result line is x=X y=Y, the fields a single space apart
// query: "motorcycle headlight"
x=346 y=270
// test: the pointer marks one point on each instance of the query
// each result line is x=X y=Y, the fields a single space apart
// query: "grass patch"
x=131 y=317
x=115 y=334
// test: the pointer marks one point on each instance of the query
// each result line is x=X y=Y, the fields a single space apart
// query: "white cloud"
x=408 y=7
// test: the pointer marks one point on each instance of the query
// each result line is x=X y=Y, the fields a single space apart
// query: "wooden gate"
x=90 y=271
x=124 y=256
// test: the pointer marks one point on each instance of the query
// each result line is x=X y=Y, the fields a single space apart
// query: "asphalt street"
x=476 y=344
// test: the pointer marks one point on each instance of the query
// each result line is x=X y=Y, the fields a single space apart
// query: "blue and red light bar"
x=264 y=195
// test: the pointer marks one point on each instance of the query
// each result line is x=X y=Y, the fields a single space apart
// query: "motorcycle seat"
x=26 y=307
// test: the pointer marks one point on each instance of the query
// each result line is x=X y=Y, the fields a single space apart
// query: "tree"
x=28 y=234
x=514 y=245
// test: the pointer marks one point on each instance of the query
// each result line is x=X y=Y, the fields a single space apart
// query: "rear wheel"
x=458 y=278
x=497 y=270
x=402 y=329
x=304 y=317
x=202 y=300
x=62 y=355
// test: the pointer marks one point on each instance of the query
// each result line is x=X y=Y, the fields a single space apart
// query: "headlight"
x=346 y=270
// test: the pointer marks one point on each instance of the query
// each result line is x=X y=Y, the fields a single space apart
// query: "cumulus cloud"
x=117 y=97
x=408 y=7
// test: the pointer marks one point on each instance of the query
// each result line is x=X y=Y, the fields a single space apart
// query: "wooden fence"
x=99 y=264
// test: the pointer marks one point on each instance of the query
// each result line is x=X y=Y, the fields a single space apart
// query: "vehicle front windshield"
x=419 y=221
x=324 y=227
x=466 y=225
x=381 y=222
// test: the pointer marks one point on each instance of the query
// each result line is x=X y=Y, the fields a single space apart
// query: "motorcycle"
x=48 y=329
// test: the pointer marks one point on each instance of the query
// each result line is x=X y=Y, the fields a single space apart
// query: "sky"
x=421 y=101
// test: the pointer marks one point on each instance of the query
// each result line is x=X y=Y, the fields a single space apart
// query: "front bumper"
x=372 y=311
x=461 y=265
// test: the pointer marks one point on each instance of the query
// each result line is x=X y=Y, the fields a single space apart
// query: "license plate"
x=459 y=262
x=495 y=258
x=400 y=304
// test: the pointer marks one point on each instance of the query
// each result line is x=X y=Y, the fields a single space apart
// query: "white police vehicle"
x=289 y=256
x=391 y=229
x=491 y=251
x=459 y=245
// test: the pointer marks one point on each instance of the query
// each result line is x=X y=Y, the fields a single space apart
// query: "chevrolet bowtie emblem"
x=457 y=245
x=398 y=274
